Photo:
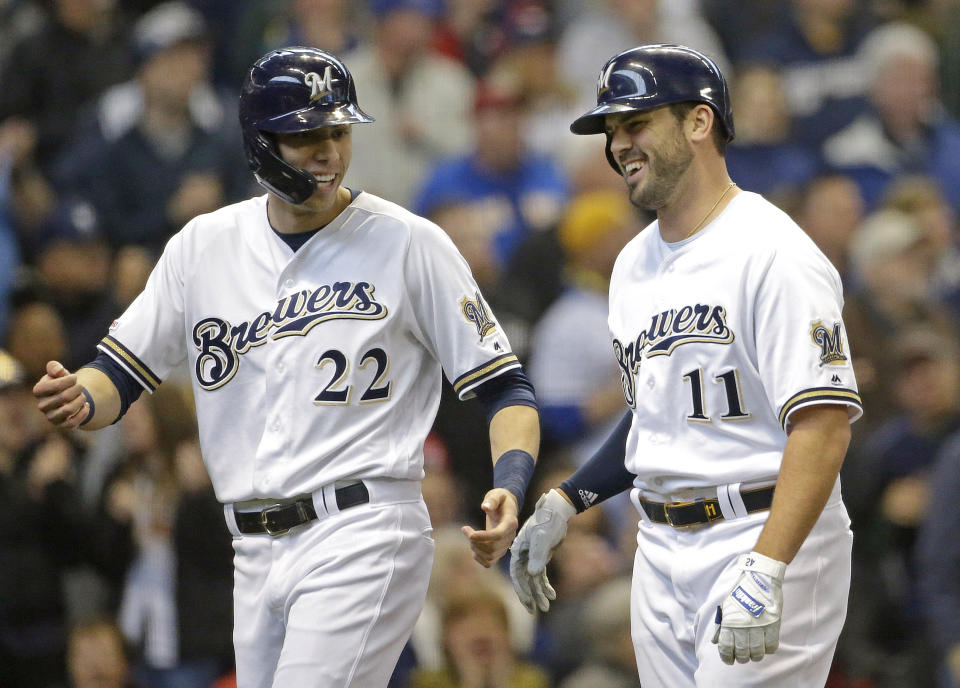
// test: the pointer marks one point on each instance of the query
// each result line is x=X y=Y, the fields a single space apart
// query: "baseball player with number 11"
x=315 y=323
x=726 y=324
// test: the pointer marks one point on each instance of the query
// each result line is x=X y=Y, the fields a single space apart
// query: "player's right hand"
x=60 y=397
x=535 y=544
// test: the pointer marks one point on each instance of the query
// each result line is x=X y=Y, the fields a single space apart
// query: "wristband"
x=513 y=471
x=93 y=406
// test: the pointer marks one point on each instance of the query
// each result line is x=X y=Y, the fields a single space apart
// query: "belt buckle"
x=666 y=514
x=276 y=532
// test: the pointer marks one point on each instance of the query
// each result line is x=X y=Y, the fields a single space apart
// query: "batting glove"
x=748 y=621
x=534 y=546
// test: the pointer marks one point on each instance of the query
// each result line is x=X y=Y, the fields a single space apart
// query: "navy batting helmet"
x=652 y=76
x=286 y=91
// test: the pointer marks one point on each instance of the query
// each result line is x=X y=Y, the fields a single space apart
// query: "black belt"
x=277 y=519
x=684 y=514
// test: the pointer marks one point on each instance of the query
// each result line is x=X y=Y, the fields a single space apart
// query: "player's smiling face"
x=324 y=153
x=652 y=152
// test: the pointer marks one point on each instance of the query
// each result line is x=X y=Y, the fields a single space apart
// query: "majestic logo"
x=476 y=312
x=221 y=344
x=667 y=331
x=830 y=343
x=320 y=86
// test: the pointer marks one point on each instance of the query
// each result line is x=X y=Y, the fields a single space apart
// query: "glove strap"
x=760 y=563
x=557 y=503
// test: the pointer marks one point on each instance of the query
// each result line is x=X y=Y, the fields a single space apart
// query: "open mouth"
x=631 y=170
x=324 y=180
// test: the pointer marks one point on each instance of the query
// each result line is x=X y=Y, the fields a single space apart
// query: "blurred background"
x=118 y=124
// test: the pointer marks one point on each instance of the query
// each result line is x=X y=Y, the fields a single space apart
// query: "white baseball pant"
x=332 y=603
x=681 y=575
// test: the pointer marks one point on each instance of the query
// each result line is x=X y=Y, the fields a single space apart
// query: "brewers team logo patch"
x=830 y=342
x=475 y=311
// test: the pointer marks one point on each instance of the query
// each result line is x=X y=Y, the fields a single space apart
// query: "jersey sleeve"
x=148 y=340
x=451 y=314
x=802 y=349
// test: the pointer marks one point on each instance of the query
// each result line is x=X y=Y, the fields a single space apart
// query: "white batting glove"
x=748 y=621
x=534 y=545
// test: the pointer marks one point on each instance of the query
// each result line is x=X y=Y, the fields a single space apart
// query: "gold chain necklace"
x=714 y=207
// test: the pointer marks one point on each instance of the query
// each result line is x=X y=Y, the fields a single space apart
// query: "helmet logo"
x=634 y=85
x=319 y=86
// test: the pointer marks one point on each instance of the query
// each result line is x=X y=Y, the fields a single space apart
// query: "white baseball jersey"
x=314 y=366
x=719 y=339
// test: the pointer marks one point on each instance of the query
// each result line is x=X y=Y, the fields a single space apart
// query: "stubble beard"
x=667 y=166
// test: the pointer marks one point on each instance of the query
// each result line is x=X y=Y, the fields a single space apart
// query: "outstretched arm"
x=600 y=478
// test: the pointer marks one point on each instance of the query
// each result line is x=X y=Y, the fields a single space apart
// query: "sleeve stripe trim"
x=136 y=367
x=473 y=377
x=819 y=394
x=466 y=391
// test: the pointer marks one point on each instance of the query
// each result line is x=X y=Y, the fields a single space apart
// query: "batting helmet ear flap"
x=288 y=182
x=610 y=158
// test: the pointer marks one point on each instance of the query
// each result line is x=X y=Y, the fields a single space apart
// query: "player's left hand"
x=492 y=543
x=748 y=620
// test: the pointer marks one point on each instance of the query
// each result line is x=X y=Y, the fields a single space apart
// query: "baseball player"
x=314 y=322
x=726 y=325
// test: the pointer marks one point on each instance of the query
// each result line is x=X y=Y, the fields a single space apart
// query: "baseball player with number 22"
x=315 y=322
x=726 y=324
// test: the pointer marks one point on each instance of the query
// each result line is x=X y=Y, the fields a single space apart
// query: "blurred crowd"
x=118 y=124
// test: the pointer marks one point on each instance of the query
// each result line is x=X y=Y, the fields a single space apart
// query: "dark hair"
x=681 y=110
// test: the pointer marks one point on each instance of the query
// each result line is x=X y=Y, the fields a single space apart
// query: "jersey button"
x=650 y=383
x=288 y=284
x=280 y=367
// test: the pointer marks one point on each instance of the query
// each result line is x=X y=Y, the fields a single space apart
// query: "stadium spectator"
x=815 y=47
x=51 y=72
x=603 y=28
x=921 y=198
x=829 y=209
x=73 y=265
x=889 y=484
x=420 y=98
x=454 y=572
x=477 y=646
x=9 y=245
x=610 y=659
x=36 y=330
x=764 y=157
x=889 y=292
x=938 y=561
x=906 y=131
x=473 y=32
x=38 y=542
x=571 y=366
x=97 y=655
x=517 y=192
x=163 y=145
x=262 y=26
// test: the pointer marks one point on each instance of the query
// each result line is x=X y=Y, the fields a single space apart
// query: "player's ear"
x=699 y=123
